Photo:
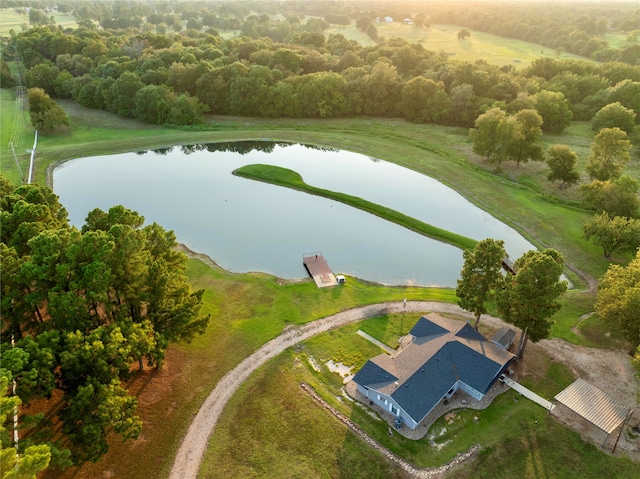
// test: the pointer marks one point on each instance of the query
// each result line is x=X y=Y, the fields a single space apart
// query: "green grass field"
x=18 y=22
x=618 y=40
x=444 y=38
x=14 y=130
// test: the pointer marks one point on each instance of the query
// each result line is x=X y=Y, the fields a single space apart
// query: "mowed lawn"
x=444 y=38
x=14 y=130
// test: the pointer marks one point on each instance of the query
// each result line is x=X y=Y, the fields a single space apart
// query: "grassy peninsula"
x=276 y=175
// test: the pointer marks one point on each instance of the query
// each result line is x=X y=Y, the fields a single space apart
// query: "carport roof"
x=592 y=404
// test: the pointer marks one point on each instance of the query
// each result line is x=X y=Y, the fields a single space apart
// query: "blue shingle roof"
x=426 y=387
x=474 y=369
x=468 y=332
x=371 y=373
x=424 y=328
x=443 y=352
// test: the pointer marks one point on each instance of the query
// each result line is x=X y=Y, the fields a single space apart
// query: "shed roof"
x=592 y=404
x=504 y=337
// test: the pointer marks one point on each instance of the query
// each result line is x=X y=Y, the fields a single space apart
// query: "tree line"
x=175 y=78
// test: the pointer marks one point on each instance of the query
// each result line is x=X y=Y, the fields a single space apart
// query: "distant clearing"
x=444 y=38
x=9 y=20
x=618 y=40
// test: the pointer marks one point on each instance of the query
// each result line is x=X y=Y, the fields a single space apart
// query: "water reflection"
x=246 y=225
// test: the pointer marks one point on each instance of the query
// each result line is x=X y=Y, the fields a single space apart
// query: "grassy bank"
x=276 y=175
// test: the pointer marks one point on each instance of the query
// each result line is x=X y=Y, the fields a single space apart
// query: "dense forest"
x=79 y=308
x=167 y=63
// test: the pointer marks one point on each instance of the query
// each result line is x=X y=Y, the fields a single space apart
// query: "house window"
x=394 y=410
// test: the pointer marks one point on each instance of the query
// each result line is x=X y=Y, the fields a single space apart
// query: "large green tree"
x=617 y=197
x=613 y=234
x=562 y=161
x=610 y=153
x=502 y=137
x=45 y=113
x=480 y=276
x=424 y=101
x=122 y=94
x=523 y=144
x=529 y=298
x=487 y=132
x=320 y=94
x=554 y=109
x=618 y=299
x=615 y=115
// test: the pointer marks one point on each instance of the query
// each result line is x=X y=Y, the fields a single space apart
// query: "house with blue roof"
x=443 y=356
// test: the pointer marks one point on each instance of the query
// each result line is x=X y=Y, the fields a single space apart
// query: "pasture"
x=10 y=19
x=444 y=39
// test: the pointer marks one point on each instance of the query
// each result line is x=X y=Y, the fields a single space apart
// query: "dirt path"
x=608 y=370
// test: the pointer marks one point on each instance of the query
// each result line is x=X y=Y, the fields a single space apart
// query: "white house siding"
x=471 y=392
x=386 y=402
x=382 y=400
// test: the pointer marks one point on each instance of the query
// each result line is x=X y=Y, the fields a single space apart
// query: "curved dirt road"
x=596 y=366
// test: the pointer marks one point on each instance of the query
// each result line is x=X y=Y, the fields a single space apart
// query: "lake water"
x=245 y=225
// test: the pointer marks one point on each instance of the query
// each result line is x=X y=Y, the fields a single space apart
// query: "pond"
x=245 y=225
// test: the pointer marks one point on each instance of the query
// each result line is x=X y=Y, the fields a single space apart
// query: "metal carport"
x=593 y=405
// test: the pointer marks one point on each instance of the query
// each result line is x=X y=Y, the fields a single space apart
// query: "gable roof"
x=425 y=328
x=372 y=374
x=443 y=352
x=467 y=332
